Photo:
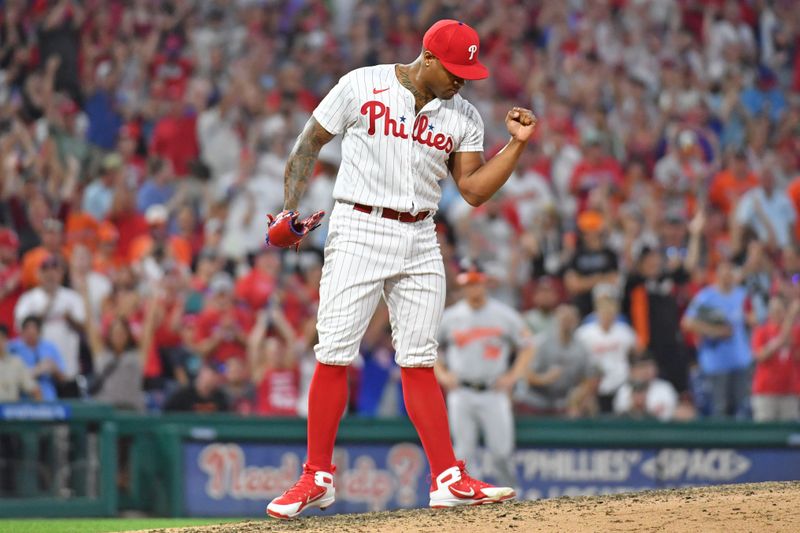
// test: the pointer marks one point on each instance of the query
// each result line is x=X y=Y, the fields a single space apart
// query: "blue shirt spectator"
x=764 y=97
x=41 y=356
x=159 y=189
x=104 y=121
x=717 y=315
x=719 y=355
x=99 y=194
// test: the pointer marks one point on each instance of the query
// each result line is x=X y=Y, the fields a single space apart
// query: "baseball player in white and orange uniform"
x=404 y=128
x=478 y=335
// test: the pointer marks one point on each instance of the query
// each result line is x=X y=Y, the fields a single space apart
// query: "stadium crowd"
x=649 y=236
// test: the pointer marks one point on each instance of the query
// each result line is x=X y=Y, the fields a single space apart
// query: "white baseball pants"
x=488 y=412
x=366 y=257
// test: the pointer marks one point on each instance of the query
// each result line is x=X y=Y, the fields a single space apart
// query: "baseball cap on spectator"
x=111 y=161
x=687 y=139
x=9 y=239
x=221 y=283
x=456 y=46
x=590 y=221
x=471 y=273
x=156 y=215
x=605 y=291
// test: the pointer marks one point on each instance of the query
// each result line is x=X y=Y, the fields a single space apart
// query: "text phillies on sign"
x=421 y=133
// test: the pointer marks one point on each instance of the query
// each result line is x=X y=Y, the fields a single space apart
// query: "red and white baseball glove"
x=285 y=230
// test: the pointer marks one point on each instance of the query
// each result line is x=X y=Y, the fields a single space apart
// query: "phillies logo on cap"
x=456 y=46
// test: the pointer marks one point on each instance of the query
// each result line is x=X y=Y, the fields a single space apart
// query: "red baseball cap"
x=456 y=46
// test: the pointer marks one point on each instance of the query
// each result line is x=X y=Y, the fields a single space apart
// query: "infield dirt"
x=757 y=508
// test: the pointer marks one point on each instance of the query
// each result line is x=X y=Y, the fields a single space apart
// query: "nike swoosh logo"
x=378 y=91
x=457 y=492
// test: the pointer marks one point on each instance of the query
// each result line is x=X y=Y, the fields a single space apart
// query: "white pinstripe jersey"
x=392 y=157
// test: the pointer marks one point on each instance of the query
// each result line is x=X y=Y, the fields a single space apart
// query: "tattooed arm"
x=301 y=162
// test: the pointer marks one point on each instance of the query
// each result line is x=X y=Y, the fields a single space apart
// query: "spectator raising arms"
x=274 y=366
x=776 y=345
x=119 y=357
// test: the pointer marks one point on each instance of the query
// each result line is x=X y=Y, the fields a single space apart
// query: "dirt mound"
x=756 y=507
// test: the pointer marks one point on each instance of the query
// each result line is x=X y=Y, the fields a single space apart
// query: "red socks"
x=327 y=399
x=426 y=409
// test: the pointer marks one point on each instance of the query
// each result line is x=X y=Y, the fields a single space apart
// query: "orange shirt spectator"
x=730 y=184
x=175 y=247
x=81 y=228
x=52 y=243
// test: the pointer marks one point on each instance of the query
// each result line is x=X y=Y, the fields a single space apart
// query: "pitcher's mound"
x=757 y=508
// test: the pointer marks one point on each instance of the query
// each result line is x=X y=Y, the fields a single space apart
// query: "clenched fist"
x=521 y=123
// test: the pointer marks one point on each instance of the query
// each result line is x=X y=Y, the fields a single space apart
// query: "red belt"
x=392 y=214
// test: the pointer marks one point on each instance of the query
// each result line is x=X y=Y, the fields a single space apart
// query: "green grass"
x=100 y=525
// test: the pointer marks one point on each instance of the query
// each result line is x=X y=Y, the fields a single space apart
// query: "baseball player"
x=478 y=334
x=404 y=128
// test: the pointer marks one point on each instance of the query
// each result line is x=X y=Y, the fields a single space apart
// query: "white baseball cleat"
x=455 y=487
x=313 y=489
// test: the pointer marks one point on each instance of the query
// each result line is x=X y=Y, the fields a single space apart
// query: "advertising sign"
x=239 y=479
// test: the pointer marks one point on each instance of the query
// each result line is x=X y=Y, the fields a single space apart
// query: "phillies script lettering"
x=420 y=133
x=358 y=480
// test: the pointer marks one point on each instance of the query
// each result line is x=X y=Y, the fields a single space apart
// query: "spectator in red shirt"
x=10 y=277
x=129 y=223
x=166 y=356
x=274 y=364
x=135 y=166
x=597 y=169
x=170 y=69
x=729 y=185
x=175 y=134
x=255 y=287
x=290 y=89
x=221 y=328
x=775 y=349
